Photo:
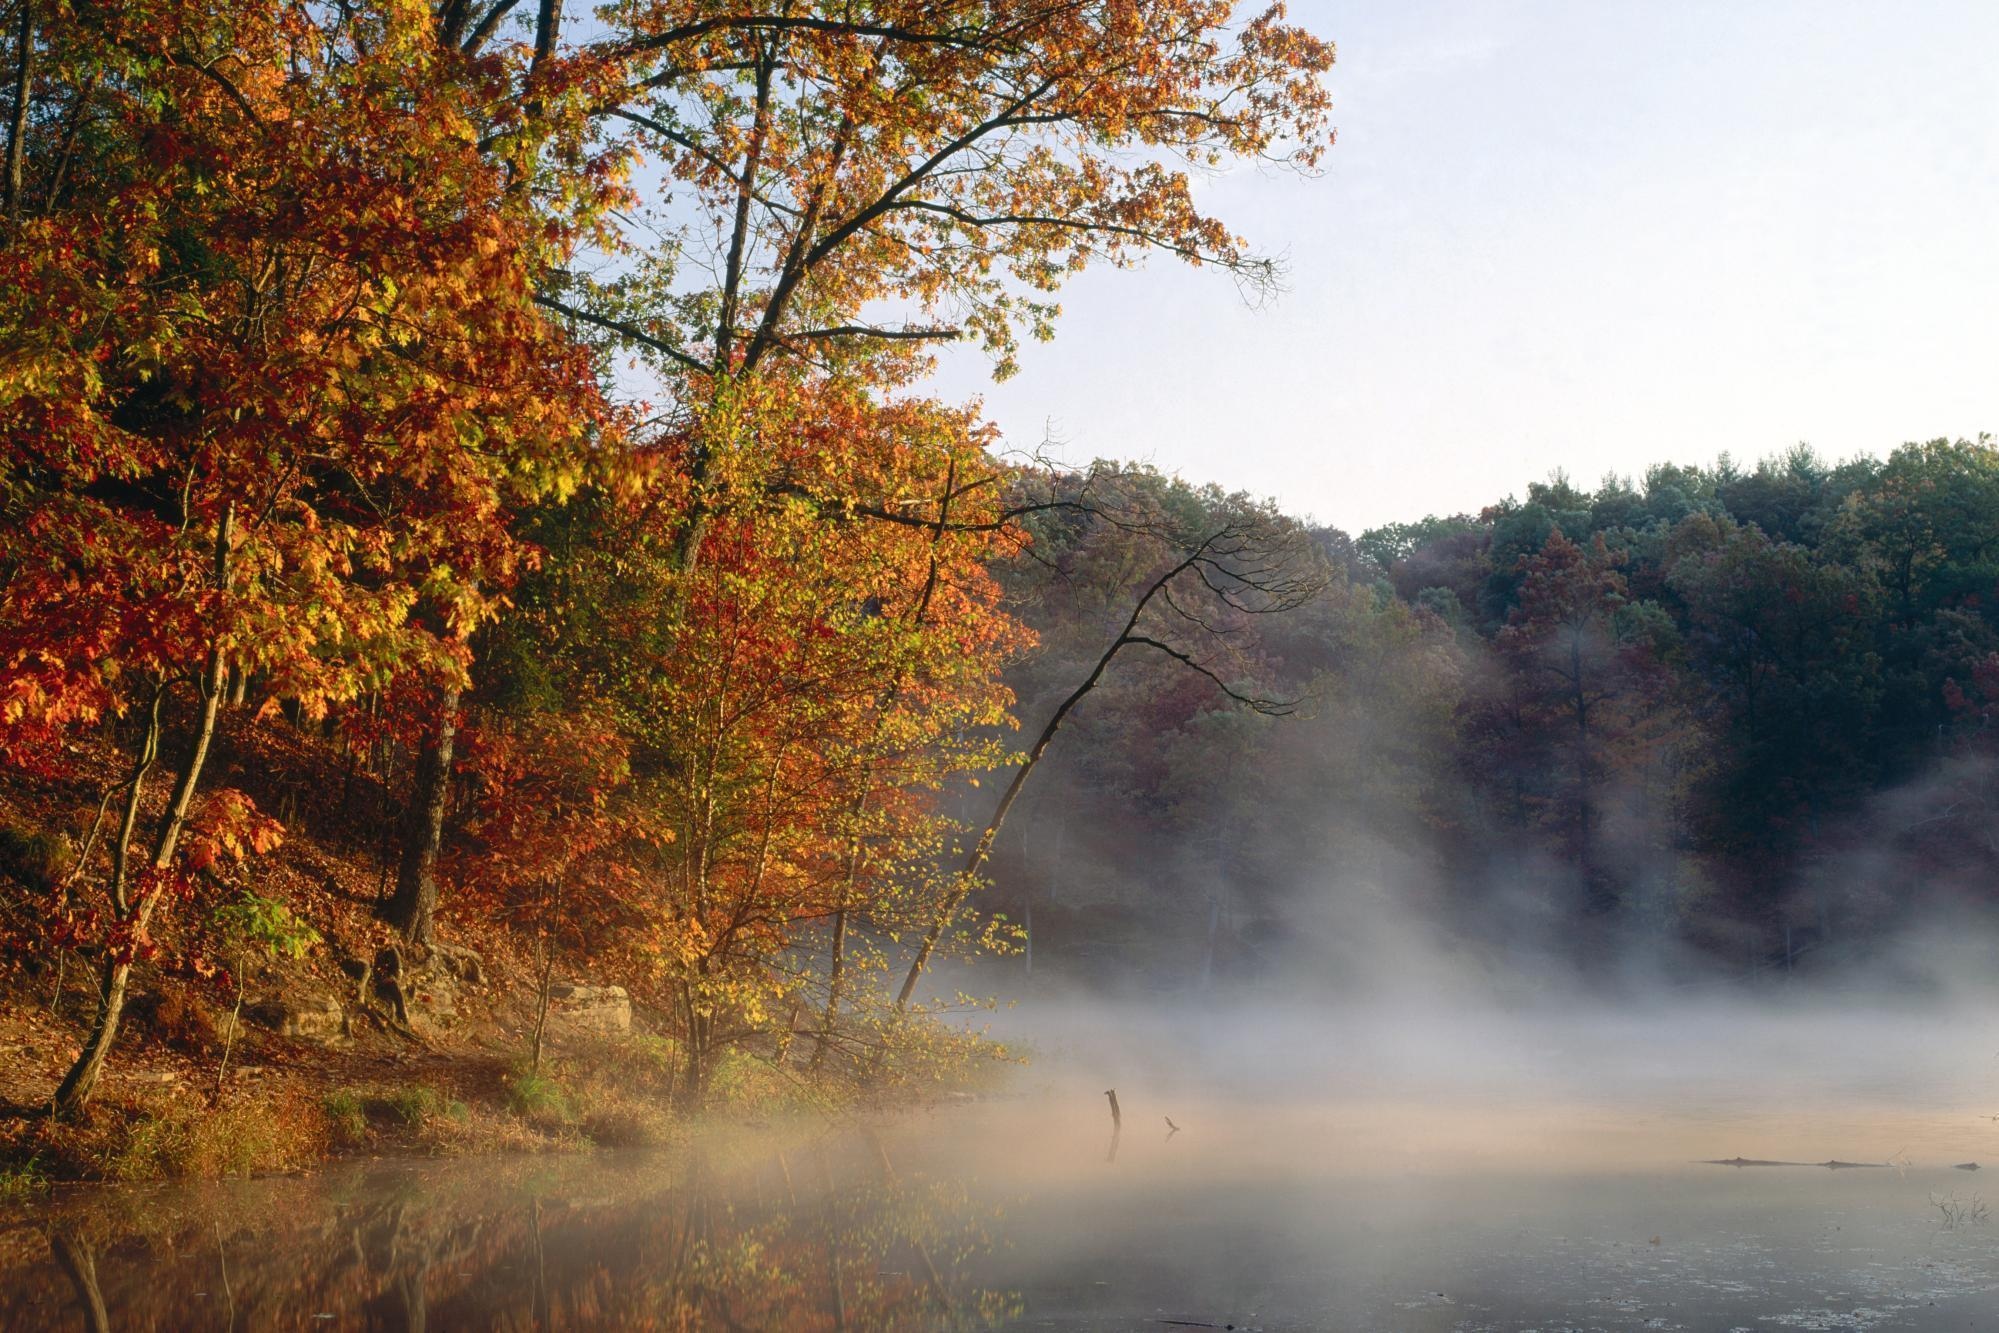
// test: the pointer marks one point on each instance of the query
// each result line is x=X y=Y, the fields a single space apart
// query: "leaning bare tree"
x=1208 y=578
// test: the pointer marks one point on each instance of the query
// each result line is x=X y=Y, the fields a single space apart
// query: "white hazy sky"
x=1587 y=234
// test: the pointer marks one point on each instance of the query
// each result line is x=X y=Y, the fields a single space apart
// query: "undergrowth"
x=178 y=1139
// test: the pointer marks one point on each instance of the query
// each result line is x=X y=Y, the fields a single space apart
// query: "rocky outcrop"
x=576 y=1007
x=309 y=1017
x=414 y=996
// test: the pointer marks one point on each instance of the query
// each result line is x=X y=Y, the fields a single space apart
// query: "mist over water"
x=1586 y=1084
x=1390 y=1123
x=1487 y=1155
x=1416 y=1159
x=1409 y=1141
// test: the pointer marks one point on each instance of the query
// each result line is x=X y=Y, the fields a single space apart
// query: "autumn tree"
x=1968 y=811
x=957 y=160
x=953 y=163
x=274 y=378
x=791 y=705
x=1925 y=527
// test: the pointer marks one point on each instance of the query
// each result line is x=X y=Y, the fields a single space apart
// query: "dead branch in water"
x=1955 y=1213
x=1834 y=1165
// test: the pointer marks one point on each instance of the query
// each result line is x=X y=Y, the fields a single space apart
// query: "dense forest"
x=467 y=490
x=1716 y=721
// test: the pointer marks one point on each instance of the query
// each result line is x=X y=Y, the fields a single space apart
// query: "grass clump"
x=21 y=1182
x=346 y=1117
x=183 y=1141
x=538 y=1098
x=415 y=1105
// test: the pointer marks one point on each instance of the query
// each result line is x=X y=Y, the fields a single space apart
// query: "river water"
x=1384 y=1189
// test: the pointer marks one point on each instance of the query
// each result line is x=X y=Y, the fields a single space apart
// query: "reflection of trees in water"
x=795 y=1250
x=79 y=1265
x=832 y=1238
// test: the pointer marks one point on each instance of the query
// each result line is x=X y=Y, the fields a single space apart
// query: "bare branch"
x=1256 y=703
x=623 y=329
x=935 y=334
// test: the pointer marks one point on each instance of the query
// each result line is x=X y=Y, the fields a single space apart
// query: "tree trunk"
x=235 y=1023
x=836 y=979
x=17 y=130
x=968 y=873
x=693 y=1091
x=542 y=992
x=415 y=899
x=1201 y=557
x=836 y=970
x=81 y=1081
x=1027 y=930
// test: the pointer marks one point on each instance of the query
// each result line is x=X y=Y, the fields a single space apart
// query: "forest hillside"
x=1701 y=724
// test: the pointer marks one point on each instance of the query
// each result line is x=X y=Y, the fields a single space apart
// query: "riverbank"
x=171 y=1108
x=278 y=1023
x=751 y=1228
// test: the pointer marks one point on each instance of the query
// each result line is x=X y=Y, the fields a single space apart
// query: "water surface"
x=1380 y=1189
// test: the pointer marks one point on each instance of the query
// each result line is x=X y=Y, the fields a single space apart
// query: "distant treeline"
x=1716 y=715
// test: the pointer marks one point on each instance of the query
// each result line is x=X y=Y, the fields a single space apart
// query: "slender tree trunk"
x=547 y=31
x=694 y=525
x=541 y=1008
x=546 y=984
x=235 y=1023
x=182 y=800
x=967 y=876
x=1027 y=931
x=81 y=1081
x=415 y=900
x=53 y=190
x=836 y=977
x=982 y=849
x=836 y=970
x=17 y=129
x=694 y=1086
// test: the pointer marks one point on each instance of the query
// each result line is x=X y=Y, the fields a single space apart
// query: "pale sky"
x=1585 y=234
